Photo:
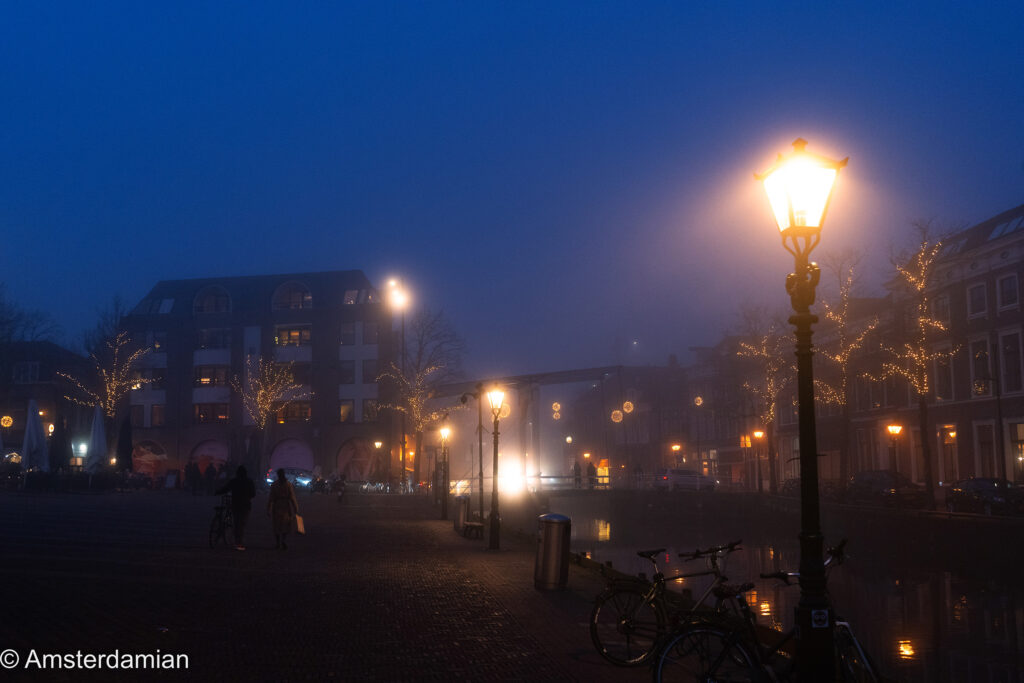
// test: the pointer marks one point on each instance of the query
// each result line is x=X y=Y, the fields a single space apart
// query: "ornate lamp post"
x=799 y=188
x=894 y=433
x=445 y=433
x=399 y=300
x=496 y=397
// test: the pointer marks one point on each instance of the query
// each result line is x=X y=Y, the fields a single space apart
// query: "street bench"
x=473 y=530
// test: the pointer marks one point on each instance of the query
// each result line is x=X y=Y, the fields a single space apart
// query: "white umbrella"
x=97 y=453
x=34 y=448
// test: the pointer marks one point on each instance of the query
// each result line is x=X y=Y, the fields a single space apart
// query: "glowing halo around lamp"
x=6 y=421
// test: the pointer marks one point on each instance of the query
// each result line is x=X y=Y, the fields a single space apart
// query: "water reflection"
x=918 y=620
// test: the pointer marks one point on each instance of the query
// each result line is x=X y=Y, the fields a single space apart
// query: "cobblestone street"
x=379 y=589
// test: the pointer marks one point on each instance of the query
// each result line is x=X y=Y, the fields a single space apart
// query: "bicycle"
x=222 y=520
x=730 y=651
x=631 y=616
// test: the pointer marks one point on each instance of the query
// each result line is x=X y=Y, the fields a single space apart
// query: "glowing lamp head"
x=894 y=430
x=398 y=298
x=445 y=433
x=496 y=397
x=378 y=444
x=676 y=447
x=799 y=188
x=568 y=439
x=758 y=434
x=586 y=455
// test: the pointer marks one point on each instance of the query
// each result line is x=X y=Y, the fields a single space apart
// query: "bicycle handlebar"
x=833 y=556
x=713 y=550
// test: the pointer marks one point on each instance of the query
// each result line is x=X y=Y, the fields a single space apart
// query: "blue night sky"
x=560 y=178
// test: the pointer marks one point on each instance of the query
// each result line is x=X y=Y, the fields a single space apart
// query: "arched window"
x=212 y=299
x=292 y=295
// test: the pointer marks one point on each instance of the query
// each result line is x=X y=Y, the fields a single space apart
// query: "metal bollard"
x=461 y=515
x=551 y=570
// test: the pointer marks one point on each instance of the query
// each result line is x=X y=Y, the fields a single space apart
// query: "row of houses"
x=705 y=416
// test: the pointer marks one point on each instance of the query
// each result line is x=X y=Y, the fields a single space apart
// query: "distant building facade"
x=332 y=327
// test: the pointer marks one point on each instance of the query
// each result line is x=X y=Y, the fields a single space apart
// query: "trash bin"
x=551 y=571
x=461 y=512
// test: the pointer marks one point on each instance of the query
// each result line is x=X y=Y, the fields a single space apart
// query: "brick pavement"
x=380 y=589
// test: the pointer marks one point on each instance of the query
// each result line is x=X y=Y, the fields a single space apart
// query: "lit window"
x=203 y=413
x=346 y=412
x=293 y=336
x=211 y=376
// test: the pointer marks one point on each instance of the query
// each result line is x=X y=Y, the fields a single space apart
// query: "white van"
x=683 y=480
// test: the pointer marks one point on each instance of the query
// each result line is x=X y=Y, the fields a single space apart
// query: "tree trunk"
x=926 y=450
x=773 y=459
x=416 y=459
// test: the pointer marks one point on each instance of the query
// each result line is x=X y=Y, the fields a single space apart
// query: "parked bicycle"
x=730 y=650
x=631 y=616
x=222 y=522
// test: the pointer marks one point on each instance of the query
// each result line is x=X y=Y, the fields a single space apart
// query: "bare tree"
x=114 y=377
x=23 y=324
x=912 y=360
x=772 y=370
x=833 y=386
x=108 y=325
x=432 y=354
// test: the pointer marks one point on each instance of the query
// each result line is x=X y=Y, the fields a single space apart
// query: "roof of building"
x=998 y=227
x=248 y=292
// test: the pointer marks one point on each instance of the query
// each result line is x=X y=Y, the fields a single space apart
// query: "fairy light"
x=269 y=387
x=769 y=352
x=913 y=359
x=114 y=376
x=847 y=342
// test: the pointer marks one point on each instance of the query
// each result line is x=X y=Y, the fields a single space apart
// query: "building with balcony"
x=331 y=328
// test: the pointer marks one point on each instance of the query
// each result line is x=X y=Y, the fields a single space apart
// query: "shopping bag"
x=300 y=525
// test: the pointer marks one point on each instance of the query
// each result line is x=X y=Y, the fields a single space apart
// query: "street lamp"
x=894 y=433
x=445 y=433
x=398 y=299
x=496 y=397
x=799 y=188
x=759 y=435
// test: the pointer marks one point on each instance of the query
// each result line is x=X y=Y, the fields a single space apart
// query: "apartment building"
x=331 y=327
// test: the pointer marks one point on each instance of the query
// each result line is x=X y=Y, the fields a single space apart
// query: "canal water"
x=923 y=616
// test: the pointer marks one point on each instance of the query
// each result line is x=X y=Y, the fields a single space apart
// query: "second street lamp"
x=496 y=397
x=799 y=188
x=894 y=433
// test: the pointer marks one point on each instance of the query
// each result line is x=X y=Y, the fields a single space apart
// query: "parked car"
x=683 y=480
x=885 y=487
x=300 y=479
x=986 y=495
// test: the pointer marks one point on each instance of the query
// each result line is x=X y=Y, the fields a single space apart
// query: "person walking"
x=282 y=508
x=242 y=491
x=591 y=474
x=576 y=473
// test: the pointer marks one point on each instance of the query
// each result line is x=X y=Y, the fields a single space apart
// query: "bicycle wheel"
x=625 y=626
x=854 y=664
x=707 y=653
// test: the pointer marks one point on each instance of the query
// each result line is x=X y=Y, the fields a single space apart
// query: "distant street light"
x=496 y=397
x=759 y=435
x=894 y=433
x=799 y=188
x=445 y=433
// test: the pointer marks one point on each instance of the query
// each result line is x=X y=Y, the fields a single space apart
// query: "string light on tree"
x=269 y=386
x=114 y=376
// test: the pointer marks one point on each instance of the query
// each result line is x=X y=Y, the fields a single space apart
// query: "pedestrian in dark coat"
x=242 y=491
x=282 y=507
